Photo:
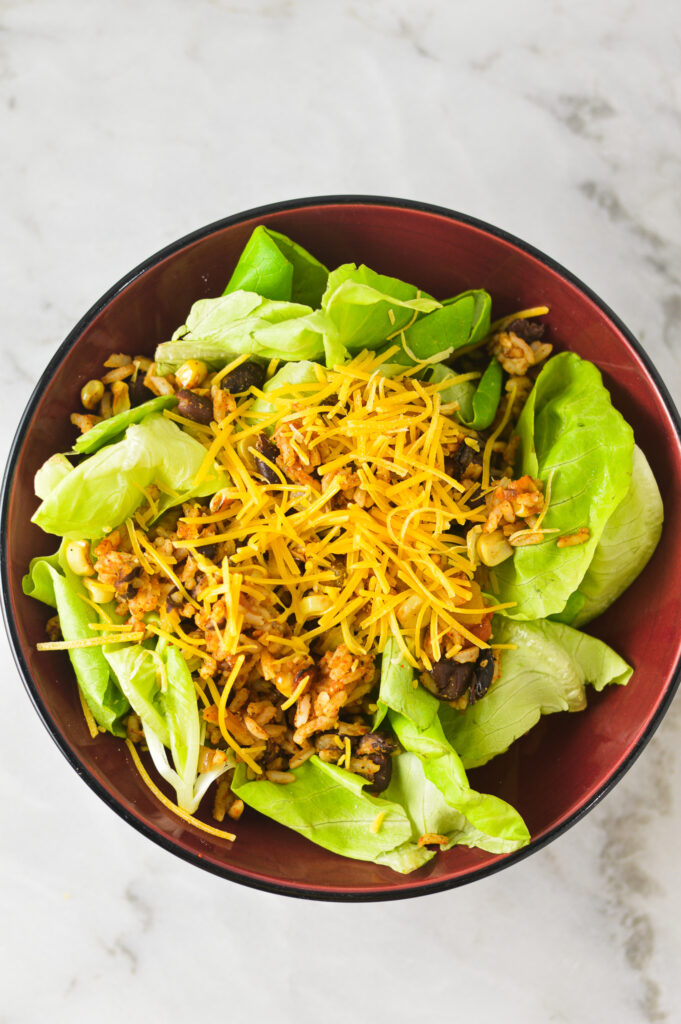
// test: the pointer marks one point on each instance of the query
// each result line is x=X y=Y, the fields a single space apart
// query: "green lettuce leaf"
x=218 y=330
x=113 y=429
x=439 y=798
x=569 y=427
x=170 y=716
x=461 y=391
x=50 y=474
x=362 y=308
x=548 y=672
x=136 y=669
x=461 y=322
x=277 y=268
x=182 y=714
x=46 y=583
x=486 y=398
x=38 y=582
x=104 y=490
x=627 y=543
x=328 y=805
x=398 y=693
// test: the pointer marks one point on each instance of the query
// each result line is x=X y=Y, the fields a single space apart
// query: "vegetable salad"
x=333 y=547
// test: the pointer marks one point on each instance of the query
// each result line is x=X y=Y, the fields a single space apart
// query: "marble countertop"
x=125 y=126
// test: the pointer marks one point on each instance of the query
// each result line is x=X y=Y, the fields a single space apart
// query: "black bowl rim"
x=303 y=892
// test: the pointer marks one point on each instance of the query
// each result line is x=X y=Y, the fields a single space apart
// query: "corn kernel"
x=91 y=394
x=493 y=548
x=191 y=374
x=78 y=558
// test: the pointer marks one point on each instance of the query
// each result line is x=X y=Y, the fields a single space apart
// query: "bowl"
x=556 y=773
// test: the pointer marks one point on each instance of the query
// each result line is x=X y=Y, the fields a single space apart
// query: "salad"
x=333 y=547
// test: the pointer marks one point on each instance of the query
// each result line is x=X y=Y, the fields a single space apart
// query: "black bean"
x=483 y=674
x=138 y=391
x=457 y=464
x=378 y=748
x=123 y=583
x=451 y=678
x=528 y=330
x=208 y=551
x=194 y=407
x=173 y=599
x=311 y=673
x=247 y=375
x=269 y=449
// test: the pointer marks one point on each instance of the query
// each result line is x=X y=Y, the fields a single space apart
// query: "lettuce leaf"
x=182 y=714
x=362 y=308
x=112 y=429
x=46 y=583
x=328 y=805
x=170 y=717
x=627 y=543
x=38 y=582
x=105 y=489
x=460 y=323
x=461 y=391
x=569 y=427
x=277 y=268
x=136 y=670
x=486 y=398
x=398 y=693
x=50 y=474
x=548 y=672
x=430 y=782
x=218 y=330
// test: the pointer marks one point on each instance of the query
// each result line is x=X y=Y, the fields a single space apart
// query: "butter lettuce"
x=570 y=428
x=329 y=806
x=277 y=268
x=38 y=582
x=478 y=404
x=362 y=308
x=64 y=591
x=459 y=323
x=136 y=670
x=161 y=691
x=548 y=672
x=486 y=398
x=460 y=391
x=398 y=693
x=627 y=543
x=218 y=330
x=429 y=793
x=439 y=798
x=106 y=488
x=50 y=474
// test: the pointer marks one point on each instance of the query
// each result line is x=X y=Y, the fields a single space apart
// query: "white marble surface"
x=125 y=125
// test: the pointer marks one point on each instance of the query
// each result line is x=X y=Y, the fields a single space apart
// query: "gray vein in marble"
x=671 y=323
x=583 y=114
x=140 y=906
x=607 y=199
x=663 y=258
x=401 y=29
x=121 y=949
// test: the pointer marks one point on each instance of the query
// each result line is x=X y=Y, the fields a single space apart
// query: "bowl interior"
x=565 y=762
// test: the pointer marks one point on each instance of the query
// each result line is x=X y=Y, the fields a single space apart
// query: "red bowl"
x=568 y=762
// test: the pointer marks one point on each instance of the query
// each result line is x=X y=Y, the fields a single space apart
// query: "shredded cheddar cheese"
x=173 y=808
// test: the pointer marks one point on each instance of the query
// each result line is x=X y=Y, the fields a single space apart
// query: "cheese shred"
x=169 y=805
